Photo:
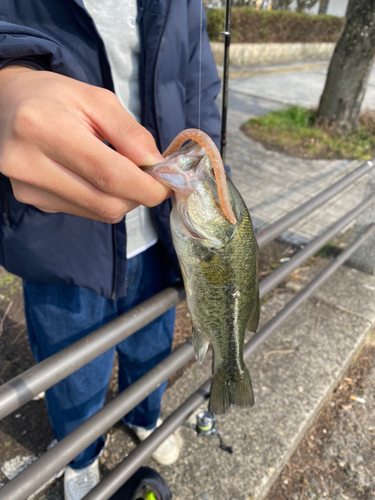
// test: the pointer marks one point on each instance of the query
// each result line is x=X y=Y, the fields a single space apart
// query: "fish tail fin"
x=226 y=391
x=242 y=391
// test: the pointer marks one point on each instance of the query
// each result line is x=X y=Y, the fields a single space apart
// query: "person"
x=89 y=91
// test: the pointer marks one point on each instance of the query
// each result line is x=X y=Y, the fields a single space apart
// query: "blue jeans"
x=57 y=316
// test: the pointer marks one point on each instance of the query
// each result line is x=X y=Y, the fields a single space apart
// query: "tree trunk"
x=350 y=67
x=302 y=5
x=323 y=6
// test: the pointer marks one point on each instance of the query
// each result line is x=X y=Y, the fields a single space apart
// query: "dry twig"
x=277 y=352
x=4 y=316
x=303 y=488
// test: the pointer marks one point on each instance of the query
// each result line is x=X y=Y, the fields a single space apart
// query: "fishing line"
x=200 y=68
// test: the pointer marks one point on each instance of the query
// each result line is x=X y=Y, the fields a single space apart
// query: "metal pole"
x=224 y=106
x=280 y=317
x=34 y=476
x=274 y=230
x=21 y=389
x=106 y=488
x=52 y=461
x=134 y=460
x=44 y=375
x=144 y=450
x=271 y=281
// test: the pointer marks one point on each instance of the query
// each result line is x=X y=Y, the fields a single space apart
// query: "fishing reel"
x=205 y=427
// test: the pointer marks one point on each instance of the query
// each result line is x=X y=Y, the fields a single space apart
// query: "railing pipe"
x=52 y=461
x=304 y=294
x=23 y=388
x=40 y=471
x=271 y=281
x=111 y=483
x=106 y=488
x=274 y=230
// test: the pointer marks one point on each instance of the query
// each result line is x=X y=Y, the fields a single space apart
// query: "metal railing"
x=23 y=388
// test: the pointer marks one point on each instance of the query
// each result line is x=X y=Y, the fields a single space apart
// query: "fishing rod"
x=224 y=108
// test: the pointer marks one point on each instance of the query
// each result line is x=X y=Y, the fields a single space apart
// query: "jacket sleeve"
x=32 y=47
x=203 y=83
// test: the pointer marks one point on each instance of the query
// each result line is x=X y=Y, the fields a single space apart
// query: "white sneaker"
x=78 y=482
x=169 y=451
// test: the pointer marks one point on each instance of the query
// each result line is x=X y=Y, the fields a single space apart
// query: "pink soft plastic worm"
x=208 y=144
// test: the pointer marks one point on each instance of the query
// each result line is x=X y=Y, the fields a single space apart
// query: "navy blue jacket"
x=60 y=36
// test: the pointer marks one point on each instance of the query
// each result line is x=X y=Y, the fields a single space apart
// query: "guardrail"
x=24 y=387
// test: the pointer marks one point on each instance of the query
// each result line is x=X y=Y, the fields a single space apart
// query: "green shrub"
x=261 y=26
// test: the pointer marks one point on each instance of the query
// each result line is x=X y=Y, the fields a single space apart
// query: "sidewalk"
x=272 y=184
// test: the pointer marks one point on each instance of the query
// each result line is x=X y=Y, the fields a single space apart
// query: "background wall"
x=337 y=7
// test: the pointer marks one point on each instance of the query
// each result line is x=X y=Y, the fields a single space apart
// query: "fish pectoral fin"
x=216 y=269
x=252 y=324
x=200 y=344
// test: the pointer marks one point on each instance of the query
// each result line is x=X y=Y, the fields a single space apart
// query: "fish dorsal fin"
x=252 y=324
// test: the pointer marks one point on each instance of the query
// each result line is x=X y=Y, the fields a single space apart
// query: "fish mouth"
x=180 y=171
x=191 y=228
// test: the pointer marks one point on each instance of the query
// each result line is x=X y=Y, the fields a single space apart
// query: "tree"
x=302 y=5
x=349 y=69
x=323 y=6
x=282 y=4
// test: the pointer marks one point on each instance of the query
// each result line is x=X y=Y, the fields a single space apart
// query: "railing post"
x=364 y=258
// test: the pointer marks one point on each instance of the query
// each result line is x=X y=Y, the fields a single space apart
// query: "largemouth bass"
x=218 y=255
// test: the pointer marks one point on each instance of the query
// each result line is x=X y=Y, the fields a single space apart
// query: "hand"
x=52 y=130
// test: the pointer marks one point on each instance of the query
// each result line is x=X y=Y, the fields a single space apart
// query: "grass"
x=294 y=131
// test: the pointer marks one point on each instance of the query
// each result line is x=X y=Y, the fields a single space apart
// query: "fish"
x=218 y=254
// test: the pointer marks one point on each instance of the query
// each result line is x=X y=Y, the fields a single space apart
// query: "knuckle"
x=21 y=193
x=106 y=181
x=27 y=120
x=112 y=211
x=104 y=95
x=15 y=164
x=138 y=133
x=6 y=161
x=154 y=199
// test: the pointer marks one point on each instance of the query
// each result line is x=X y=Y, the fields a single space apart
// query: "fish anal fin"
x=252 y=324
x=200 y=344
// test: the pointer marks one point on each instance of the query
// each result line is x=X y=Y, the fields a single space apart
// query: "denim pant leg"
x=150 y=345
x=56 y=317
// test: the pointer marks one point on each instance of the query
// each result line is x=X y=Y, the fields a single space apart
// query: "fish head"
x=196 y=204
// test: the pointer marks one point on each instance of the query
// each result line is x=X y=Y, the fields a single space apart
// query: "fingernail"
x=152 y=159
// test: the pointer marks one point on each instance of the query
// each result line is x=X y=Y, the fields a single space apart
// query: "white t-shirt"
x=115 y=21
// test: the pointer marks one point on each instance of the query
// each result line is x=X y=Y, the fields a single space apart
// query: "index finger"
x=104 y=168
